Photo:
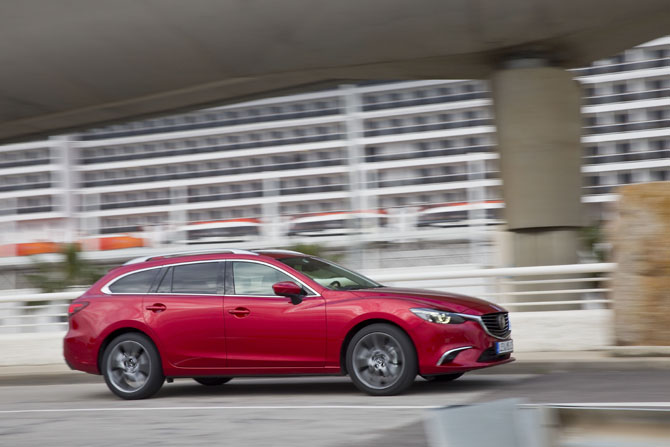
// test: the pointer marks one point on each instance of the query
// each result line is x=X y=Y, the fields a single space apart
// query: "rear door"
x=264 y=330
x=185 y=310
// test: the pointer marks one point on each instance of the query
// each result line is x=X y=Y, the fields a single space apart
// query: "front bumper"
x=451 y=348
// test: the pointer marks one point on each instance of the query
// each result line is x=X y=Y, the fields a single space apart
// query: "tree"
x=71 y=271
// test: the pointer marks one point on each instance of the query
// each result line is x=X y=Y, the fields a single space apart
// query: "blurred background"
x=541 y=184
x=377 y=175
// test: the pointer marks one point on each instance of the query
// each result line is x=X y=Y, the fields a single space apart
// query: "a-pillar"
x=537 y=112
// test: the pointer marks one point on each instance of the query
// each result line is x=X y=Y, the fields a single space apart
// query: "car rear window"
x=139 y=282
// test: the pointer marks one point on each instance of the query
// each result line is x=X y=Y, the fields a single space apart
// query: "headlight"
x=438 y=316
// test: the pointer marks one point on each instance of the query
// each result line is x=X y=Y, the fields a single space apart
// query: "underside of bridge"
x=81 y=63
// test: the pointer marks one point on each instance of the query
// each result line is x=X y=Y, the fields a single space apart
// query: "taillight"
x=76 y=307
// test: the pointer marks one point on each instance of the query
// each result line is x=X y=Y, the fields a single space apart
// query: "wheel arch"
x=362 y=324
x=120 y=331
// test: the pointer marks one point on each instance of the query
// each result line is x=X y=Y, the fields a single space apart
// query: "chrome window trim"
x=479 y=320
x=105 y=289
x=298 y=281
x=451 y=351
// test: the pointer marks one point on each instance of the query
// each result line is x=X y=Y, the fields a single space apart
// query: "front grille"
x=497 y=326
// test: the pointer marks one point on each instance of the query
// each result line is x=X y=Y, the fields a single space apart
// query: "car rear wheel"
x=132 y=367
x=443 y=377
x=212 y=381
x=381 y=360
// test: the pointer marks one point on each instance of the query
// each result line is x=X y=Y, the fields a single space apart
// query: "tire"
x=369 y=355
x=132 y=367
x=212 y=381
x=443 y=377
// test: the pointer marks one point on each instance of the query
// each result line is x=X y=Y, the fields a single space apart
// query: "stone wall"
x=640 y=236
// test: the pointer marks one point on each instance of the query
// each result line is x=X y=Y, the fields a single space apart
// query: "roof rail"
x=235 y=251
x=270 y=250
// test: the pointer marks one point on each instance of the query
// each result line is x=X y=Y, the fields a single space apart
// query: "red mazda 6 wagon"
x=215 y=316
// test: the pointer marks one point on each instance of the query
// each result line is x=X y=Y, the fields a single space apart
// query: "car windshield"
x=329 y=275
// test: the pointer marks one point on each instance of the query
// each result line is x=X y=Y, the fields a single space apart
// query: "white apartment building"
x=422 y=152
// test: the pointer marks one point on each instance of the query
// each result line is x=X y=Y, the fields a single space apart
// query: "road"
x=324 y=411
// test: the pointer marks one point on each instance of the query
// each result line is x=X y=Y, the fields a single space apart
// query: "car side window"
x=200 y=278
x=255 y=279
x=166 y=283
x=139 y=282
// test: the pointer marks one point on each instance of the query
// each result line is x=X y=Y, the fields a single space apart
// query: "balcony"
x=134 y=204
x=628 y=66
x=212 y=148
x=411 y=102
x=104 y=133
x=631 y=156
x=624 y=97
x=214 y=172
x=25 y=186
x=626 y=127
x=428 y=127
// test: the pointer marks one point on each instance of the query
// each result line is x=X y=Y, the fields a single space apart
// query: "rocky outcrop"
x=641 y=247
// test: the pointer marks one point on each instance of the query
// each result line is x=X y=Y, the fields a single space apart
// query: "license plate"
x=503 y=347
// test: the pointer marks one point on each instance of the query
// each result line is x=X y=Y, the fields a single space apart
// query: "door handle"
x=240 y=312
x=157 y=307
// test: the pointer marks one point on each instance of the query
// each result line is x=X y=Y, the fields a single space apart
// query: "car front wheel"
x=131 y=366
x=381 y=360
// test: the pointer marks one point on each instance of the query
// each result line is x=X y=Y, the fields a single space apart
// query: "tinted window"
x=328 y=274
x=256 y=279
x=166 y=283
x=195 y=278
x=139 y=282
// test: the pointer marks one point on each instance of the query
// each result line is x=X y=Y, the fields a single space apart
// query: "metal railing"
x=31 y=311
x=578 y=286
x=518 y=288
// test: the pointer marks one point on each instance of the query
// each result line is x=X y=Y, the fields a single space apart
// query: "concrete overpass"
x=80 y=63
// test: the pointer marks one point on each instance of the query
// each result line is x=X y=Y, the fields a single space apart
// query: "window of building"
x=656 y=115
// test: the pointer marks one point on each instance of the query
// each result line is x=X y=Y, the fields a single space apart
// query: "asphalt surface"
x=323 y=411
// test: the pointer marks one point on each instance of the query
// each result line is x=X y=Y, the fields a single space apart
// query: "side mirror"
x=290 y=290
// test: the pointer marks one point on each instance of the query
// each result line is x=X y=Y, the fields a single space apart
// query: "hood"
x=433 y=299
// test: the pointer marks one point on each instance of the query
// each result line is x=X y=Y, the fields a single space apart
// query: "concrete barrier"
x=509 y=423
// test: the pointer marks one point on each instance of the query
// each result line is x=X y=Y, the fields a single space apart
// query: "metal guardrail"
x=31 y=311
x=517 y=288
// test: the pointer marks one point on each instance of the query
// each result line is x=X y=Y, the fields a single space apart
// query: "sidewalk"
x=636 y=358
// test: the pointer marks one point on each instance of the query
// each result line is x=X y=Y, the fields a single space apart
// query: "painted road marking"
x=233 y=407
x=330 y=407
x=608 y=404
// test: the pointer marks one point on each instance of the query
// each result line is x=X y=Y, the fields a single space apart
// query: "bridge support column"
x=537 y=110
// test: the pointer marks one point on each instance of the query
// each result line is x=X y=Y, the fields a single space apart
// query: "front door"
x=185 y=311
x=264 y=330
